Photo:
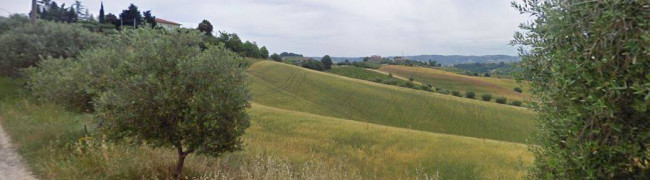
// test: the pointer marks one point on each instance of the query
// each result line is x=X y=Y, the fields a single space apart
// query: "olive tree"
x=168 y=92
x=588 y=64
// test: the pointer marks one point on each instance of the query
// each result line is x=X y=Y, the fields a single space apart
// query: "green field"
x=361 y=73
x=298 y=89
x=463 y=83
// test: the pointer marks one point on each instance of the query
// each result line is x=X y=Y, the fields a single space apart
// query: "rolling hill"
x=445 y=60
x=452 y=81
x=298 y=89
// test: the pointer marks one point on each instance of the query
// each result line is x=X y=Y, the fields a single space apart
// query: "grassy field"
x=280 y=144
x=452 y=81
x=361 y=73
x=298 y=89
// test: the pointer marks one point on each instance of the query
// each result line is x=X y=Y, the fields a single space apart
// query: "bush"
x=486 y=97
x=390 y=75
x=24 y=46
x=501 y=100
x=588 y=67
x=409 y=84
x=391 y=82
x=379 y=80
x=411 y=78
x=516 y=103
x=442 y=91
x=470 y=94
x=518 y=89
x=456 y=93
x=276 y=57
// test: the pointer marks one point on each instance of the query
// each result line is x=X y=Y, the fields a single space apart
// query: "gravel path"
x=11 y=165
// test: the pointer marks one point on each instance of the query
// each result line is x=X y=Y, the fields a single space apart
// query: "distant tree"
x=313 y=64
x=518 y=89
x=206 y=27
x=470 y=94
x=486 y=97
x=516 y=103
x=487 y=75
x=112 y=19
x=276 y=57
x=251 y=50
x=50 y=10
x=347 y=62
x=101 y=17
x=411 y=78
x=390 y=75
x=366 y=59
x=502 y=100
x=131 y=16
x=149 y=19
x=327 y=62
x=264 y=53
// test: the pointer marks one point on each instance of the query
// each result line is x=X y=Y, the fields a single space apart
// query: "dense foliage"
x=313 y=64
x=486 y=97
x=24 y=45
x=206 y=27
x=327 y=61
x=276 y=57
x=588 y=64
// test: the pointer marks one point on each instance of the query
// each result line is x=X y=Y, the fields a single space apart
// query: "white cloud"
x=343 y=27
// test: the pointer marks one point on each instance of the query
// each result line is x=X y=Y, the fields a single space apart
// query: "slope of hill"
x=382 y=152
x=293 y=88
x=57 y=147
x=444 y=59
x=452 y=81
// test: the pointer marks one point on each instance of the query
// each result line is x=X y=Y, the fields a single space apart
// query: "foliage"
x=206 y=27
x=410 y=84
x=191 y=100
x=456 y=93
x=284 y=54
x=276 y=57
x=518 y=89
x=250 y=49
x=25 y=45
x=327 y=61
x=129 y=15
x=264 y=53
x=13 y=21
x=102 y=16
x=366 y=65
x=390 y=75
x=516 y=103
x=149 y=19
x=502 y=100
x=51 y=11
x=470 y=94
x=588 y=62
x=61 y=81
x=313 y=64
x=486 y=97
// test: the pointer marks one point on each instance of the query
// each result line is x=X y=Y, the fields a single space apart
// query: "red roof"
x=158 y=20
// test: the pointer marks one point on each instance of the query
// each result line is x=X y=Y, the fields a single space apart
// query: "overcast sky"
x=340 y=27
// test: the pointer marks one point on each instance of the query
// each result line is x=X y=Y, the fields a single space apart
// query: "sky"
x=342 y=28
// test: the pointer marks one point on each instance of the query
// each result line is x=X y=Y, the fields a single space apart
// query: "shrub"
x=501 y=100
x=438 y=89
x=61 y=81
x=516 y=103
x=588 y=67
x=390 y=75
x=409 y=84
x=470 y=94
x=276 y=57
x=456 y=93
x=378 y=80
x=25 y=45
x=411 y=78
x=518 y=89
x=190 y=100
x=390 y=82
x=486 y=97
x=442 y=91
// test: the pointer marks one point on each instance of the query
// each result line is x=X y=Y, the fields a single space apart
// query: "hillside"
x=444 y=59
x=298 y=89
x=452 y=81
x=382 y=152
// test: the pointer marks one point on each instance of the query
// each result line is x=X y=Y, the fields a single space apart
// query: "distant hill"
x=445 y=60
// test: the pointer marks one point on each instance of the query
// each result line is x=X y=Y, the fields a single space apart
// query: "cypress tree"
x=101 y=13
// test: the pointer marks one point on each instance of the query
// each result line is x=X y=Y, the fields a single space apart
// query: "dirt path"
x=11 y=165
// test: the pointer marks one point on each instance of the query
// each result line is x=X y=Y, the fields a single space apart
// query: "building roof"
x=158 y=20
